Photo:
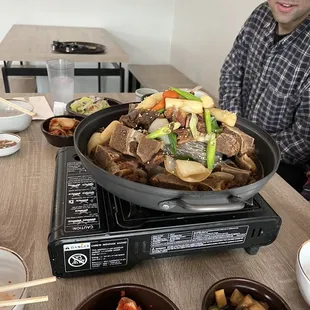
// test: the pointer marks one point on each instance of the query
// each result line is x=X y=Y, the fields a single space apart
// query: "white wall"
x=203 y=34
x=143 y=28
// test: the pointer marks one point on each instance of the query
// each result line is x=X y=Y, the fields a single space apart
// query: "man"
x=266 y=79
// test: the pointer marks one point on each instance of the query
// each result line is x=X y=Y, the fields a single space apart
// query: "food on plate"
x=178 y=141
x=4 y=144
x=237 y=301
x=127 y=304
x=89 y=105
x=62 y=126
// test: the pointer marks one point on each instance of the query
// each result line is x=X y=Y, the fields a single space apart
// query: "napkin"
x=41 y=107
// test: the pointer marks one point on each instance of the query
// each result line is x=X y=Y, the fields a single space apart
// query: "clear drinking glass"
x=61 y=79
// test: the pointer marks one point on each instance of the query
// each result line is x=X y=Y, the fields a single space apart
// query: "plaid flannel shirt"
x=269 y=83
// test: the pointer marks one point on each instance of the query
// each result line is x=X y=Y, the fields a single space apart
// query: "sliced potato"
x=207 y=102
x=257 y=306
x=246 y=302
x=147 y=103
x=236 y=297
x=191 y=106
x=172 y=102
x=220 y=298
x=108 y=131
x=188 y=106
x=224 y=116
x=94 y=140
x=158 y=96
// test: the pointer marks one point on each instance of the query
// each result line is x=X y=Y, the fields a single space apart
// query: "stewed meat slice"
x=125 y=140
x=246 y=141
x=241 y=176
x=228 y=144
x=139 y=118
x=184 y=135
x=124 y=166
x=170 y=181
x=147 y=148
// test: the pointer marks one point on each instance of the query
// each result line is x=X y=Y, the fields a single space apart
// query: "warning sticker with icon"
x=77 y=256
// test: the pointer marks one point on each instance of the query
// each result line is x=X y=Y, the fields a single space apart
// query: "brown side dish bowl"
x=145 y=297
x=58 y=141
x=258 y=291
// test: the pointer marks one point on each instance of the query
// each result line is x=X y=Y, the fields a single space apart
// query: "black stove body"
x=93 y=231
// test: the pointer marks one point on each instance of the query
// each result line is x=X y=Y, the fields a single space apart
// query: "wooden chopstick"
x=12 y=287
x=23 y=301
x=17 y=107
x=195 y=89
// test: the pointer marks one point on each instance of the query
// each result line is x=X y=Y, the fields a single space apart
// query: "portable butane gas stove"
x=93 y=231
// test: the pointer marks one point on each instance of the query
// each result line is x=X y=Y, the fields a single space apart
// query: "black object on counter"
x=74 y=47
x=92 y=231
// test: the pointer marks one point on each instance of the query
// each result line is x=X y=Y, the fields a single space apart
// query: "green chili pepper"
x=214 y=123
x=211 y=151
x=173 y=143
x=208 y=120
x=166 y=130
x=185 y=94
x=161 y=111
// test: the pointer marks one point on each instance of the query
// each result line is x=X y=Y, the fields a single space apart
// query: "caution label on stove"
x=95 y=255
x=82 y=210
x=197 y=239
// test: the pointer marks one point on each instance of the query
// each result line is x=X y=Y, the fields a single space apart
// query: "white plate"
x=10 y=150
x=12 y=270
x=303 y=271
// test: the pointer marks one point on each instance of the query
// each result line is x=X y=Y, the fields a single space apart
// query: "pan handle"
x=234 y=204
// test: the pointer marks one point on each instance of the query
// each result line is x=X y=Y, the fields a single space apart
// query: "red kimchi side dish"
x=127 y=304
x=62 y=126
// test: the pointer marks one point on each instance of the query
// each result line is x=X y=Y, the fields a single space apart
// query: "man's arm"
x=232 y=74
x=294 y=143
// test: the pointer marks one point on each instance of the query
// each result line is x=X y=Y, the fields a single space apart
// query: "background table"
x=33 y=43
x=26 y=193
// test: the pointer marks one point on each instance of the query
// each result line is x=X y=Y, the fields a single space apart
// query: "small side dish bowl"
x=12 y=120
x=111 y=102
x=258 y=291
x=109 y=297
x=9 y=144
x=198 y=93
x=303 y=271
x=58 y=141
x=13 y=270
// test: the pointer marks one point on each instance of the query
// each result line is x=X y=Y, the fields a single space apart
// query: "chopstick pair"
x=16 y=107
x=25 y=301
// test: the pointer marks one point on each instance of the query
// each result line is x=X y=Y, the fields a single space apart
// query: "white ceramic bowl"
x=12 y=270
x=303 y=270
x=198 y=93
x=12 y=149
x=140 y=92
x=12 y=120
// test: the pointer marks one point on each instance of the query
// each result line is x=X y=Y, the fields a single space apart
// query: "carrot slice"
x=170 y=94
x=159 y=105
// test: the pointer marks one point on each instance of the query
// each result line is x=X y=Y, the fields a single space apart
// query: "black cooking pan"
x=175 y=200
